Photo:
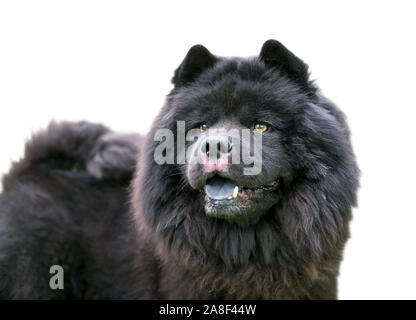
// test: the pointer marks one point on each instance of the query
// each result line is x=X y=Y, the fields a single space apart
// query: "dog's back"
x=73 y=178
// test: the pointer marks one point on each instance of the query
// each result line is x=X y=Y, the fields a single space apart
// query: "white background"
x=112 y=61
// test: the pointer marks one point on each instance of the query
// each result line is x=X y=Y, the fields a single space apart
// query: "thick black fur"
x=294 y=250
x=66 y=203
x=166 y=246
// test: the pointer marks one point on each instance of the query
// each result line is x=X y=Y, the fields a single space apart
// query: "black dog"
x=205 y=229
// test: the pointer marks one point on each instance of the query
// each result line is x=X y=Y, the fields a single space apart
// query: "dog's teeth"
x=230 y=197
x=235 y=192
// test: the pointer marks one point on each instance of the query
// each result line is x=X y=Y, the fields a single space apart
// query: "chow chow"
x=201 y=225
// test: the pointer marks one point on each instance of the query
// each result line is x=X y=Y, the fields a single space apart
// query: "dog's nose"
x=217 y=146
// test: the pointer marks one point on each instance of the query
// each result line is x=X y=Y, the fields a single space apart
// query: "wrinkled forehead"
x=231 y=128
x=233 y=101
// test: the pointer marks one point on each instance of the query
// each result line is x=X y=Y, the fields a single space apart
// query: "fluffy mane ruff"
x=299 y=241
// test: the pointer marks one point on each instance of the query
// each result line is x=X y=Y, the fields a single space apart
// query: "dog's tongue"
x=219 y=188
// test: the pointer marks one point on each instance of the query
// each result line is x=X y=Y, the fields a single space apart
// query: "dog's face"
x=237 y=158
x=242 y=118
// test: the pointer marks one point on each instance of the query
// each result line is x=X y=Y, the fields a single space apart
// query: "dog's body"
x=62 y=206
x=193 y=230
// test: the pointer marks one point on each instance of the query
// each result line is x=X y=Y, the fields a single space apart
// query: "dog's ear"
x=197 y=60
x=276 y=55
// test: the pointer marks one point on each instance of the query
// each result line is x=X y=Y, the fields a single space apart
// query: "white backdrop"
x=112 y=61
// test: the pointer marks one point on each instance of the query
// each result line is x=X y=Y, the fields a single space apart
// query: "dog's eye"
x=203 y=127
x=261 y=127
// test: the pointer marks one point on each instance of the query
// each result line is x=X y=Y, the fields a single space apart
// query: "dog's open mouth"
x=225 y=199
x=218 y=189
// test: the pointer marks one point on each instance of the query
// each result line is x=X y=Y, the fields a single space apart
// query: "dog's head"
x=243 y=145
